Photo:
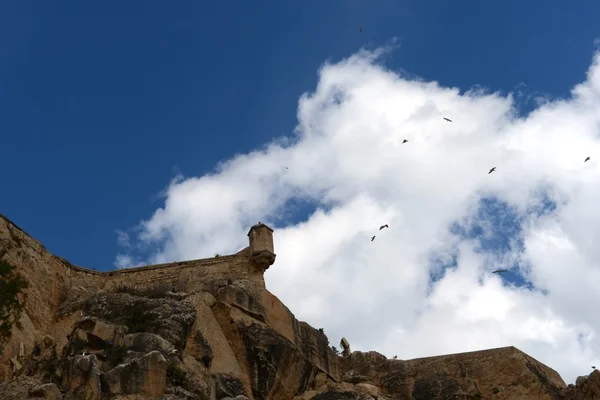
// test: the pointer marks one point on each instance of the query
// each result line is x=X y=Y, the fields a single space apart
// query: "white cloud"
x=347 y=157
x=123 y=239
x=126 y=261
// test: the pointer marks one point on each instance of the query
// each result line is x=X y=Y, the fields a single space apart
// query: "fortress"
x=249 y=263
x=52 y=277
x=230 y=328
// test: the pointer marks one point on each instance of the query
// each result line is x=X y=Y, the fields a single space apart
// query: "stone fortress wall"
x=249 y=263
x=52 y=278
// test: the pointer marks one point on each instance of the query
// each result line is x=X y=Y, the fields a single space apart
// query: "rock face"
x=586 y=387
x=82 y=377
x=497 y=373
x=209 y=329
x=146 y=375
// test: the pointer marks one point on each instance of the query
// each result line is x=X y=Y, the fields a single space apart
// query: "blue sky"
x=102 y=104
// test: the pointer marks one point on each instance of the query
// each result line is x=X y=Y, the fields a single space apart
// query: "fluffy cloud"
x=424 y=286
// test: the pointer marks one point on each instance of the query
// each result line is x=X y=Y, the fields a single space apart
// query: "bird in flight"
x=373 y=238
x=383 y=226
x=361 y=28
x=405 y=141
x=498 y=271
x=492 y=170
x=448 y=119
x=587 y=159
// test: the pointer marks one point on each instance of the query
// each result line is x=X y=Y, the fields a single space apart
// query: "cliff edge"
x=209 y=329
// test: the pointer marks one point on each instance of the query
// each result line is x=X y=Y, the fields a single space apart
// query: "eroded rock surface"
x=586 y=387
x=504 y=373
x=209 y=329
x=146 y=375
x=169 y=319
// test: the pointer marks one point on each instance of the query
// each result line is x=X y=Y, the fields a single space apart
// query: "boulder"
x=82 y=377
x=146 y=375
x=48 y=391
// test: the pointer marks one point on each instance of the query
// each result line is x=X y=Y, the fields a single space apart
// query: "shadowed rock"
x=225 y=385
x=48 y=391
x=172 y=320
x=586 y=387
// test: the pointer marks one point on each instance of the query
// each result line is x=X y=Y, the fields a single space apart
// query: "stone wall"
x=183 y=276
x=56 y=273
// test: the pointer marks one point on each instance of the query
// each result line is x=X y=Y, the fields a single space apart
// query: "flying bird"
x=383 y=226
x=448 y=119
x=405 y=141
x=498 y=271
x=587 y=159
x=492 y=170
x=373 y=238
x=361 y=28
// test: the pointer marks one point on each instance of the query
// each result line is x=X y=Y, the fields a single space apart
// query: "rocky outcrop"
x=586 y=387
x=175 y=336
x=48 y=391
x=82 y=377
x=504 y=372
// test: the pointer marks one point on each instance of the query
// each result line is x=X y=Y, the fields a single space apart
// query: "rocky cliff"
x=209 y=329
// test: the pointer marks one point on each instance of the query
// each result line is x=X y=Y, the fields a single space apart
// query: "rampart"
x=51 y=277
x=249 y=263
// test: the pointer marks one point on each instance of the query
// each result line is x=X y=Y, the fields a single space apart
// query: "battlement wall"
x=183 y=276
x=51 y=277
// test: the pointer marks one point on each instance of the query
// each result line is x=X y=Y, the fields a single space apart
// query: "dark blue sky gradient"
x=101 y=103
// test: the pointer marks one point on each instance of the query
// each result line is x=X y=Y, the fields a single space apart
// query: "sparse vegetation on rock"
x=12 y=300
x=176 y=376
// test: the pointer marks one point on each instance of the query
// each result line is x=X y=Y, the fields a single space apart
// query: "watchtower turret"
x=261 y=246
